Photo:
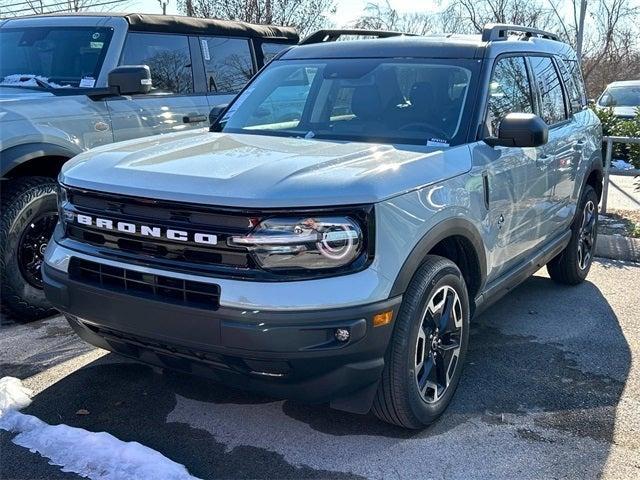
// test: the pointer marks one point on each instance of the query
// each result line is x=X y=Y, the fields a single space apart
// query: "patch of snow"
x=99 y=456
x=621 y=164
x=29 y=80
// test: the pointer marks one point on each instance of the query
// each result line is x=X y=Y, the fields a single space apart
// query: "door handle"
x=194 y=118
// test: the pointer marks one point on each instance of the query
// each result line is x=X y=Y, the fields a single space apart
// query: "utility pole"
x=583 y=13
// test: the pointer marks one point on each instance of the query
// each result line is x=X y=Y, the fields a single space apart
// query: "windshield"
x=415 y=101
x=628 y=96
x=52 y=57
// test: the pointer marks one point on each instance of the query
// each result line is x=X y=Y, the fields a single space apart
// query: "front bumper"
x=285 y=353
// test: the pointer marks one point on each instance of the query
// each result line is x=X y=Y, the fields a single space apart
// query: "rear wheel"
x=428 y=347
x=29 y=216
x=572 y=265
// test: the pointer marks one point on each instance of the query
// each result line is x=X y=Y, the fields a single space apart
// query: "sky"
x=346 y=11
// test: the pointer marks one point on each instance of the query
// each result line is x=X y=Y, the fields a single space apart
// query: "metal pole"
x=583 y=12
x=607 y=166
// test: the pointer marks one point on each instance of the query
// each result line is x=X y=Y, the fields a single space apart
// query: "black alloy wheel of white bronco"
x=572 y=265
x=428 y=347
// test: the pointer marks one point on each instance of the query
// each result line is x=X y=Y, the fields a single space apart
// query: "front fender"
x=14 y=156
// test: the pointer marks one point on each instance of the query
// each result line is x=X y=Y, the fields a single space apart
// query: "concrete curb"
x=618 y=247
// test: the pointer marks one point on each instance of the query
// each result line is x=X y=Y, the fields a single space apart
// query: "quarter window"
x=509 y=91
x=167 y=56
x=550 y=88
x=270 y=50
x=228 y=63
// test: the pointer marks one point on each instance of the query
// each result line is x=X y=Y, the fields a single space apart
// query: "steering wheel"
x=424 y=126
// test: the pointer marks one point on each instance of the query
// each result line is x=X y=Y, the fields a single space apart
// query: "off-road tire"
x=565 y=267
x=22 y=199
x=398 y=400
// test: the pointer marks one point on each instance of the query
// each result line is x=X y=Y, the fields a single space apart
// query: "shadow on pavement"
x=553 y=355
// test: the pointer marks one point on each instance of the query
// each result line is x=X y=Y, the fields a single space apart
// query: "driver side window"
x=509 y=91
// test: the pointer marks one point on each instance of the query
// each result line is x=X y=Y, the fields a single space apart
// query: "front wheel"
x=29 y=216
x=572 y=265
x=424 y=361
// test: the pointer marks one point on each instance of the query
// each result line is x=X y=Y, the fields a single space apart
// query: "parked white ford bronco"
x=73 y=82
x=338 y=253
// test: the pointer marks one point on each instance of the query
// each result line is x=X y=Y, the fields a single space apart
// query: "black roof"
x=210 y=26
x=191 y=25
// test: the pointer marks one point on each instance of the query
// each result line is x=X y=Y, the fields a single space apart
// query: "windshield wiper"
x=42 y=83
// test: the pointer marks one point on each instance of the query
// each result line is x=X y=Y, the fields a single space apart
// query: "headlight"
x=304 y=242
x=62 y=200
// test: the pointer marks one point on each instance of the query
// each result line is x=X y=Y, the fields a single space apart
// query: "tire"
x=27 y=204
x=399 y=400
x=572 y=265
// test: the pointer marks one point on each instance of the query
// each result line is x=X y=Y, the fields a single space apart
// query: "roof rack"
x=499 y=31
x=331 y=35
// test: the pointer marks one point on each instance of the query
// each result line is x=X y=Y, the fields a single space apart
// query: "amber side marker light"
x=383 y=318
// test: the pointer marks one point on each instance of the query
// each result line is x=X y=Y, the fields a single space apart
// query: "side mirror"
x=520 y=130
x=215 y=112
x=130 y=79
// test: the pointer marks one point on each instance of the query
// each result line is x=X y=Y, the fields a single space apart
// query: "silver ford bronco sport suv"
x=337 y=254
x=73 y=82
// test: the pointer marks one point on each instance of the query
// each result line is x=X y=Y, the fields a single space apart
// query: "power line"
x=67 y=6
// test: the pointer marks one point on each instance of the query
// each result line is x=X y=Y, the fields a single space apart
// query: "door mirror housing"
x=520 y=130
x=130 y=80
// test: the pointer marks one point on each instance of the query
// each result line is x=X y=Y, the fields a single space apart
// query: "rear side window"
x=574 y=89
x=270 y=50
x=509 y=91
x=228 y=63
x=550 y=88
x=167 y=56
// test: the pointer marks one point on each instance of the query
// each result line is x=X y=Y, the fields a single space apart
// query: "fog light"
x=342 y=334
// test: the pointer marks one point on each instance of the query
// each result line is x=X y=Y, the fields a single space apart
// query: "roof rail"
x=499 y=31
x=331 y=35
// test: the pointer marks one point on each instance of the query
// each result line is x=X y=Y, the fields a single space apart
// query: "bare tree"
x=305 y=15
x=13 y=8
x=611 y=47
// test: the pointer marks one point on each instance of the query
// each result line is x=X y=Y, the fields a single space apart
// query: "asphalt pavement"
x=551 y=389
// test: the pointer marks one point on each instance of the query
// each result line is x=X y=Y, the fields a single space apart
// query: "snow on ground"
x=621 y=165
x=94 y=455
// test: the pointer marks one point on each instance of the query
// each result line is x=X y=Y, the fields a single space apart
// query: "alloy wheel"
x=587 y=235
x=438 y=343
x=32 y=246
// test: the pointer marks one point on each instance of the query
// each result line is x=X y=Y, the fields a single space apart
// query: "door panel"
x=558 y=155
x=518 y=184
x=172 y=105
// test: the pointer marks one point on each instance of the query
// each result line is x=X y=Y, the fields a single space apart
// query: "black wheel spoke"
x=32 y=244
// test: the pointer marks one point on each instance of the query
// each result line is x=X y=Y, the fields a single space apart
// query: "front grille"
x=155 y=287
x=186 y=255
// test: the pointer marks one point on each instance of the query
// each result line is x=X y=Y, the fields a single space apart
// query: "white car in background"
x=623 y=97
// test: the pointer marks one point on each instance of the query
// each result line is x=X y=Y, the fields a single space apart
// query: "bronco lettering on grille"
x=143 y=230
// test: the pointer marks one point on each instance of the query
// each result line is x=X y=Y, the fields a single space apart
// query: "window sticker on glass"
x=87 y=82
x=97 y=45
x=205 y=49
x=437 y=142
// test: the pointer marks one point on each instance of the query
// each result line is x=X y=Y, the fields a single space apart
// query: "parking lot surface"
x=551 y=389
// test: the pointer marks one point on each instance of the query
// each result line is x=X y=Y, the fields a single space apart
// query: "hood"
x=625 y=112
x=18 y=94
x=256 y=171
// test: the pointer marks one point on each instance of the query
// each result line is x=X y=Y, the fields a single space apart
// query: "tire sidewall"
x=16 y=216
x=428 y=412
x=588 y=194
